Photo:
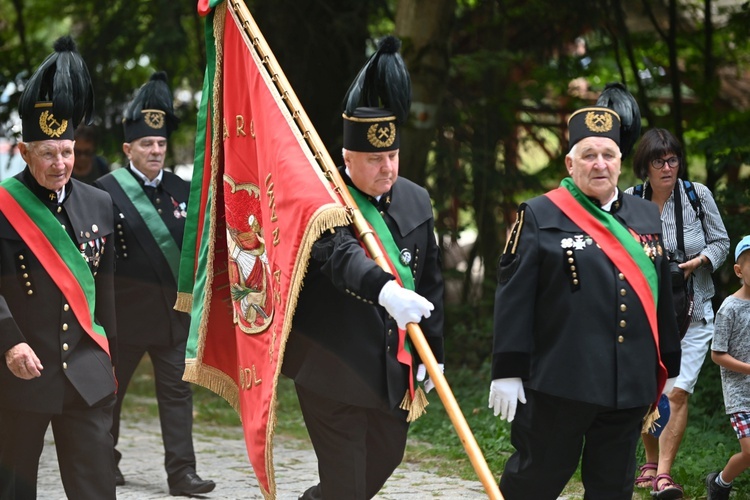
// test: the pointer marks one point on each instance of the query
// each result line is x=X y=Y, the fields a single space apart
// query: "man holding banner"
x=57 y=314
x=150 y=209
x=347 y=352
x=585 y=336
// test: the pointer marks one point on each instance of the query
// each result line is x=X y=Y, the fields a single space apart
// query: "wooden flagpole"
x=369 y=239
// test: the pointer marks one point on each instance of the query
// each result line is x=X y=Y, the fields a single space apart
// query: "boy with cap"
x=730 y=350
x=57 y=314
x=579 y=339
x=150 y=207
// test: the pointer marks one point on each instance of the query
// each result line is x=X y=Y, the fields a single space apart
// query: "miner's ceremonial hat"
x=151 y=112
x=378 y=101
x=594 y=121
x=58 y=96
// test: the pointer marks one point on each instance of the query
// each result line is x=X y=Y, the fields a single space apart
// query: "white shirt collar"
x=607 y=206
x=146 y=181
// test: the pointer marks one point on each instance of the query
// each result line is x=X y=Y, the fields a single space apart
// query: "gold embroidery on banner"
x=240 y=120
x=249 y=378
x=598 y=122
x=277 y=288
x=271 y=199
x=381 y=137
x=50 y=126
x=248 y=267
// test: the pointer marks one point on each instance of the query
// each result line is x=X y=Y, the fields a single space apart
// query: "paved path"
x=224 y=460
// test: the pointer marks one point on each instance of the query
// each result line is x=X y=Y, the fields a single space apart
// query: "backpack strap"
x=638 y=190
x=693 y=198
x=678 y=219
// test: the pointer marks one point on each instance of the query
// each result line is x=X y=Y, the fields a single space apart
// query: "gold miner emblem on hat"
x=154 y=119
x=598 y=122
x=381 y=137
x=50 y=126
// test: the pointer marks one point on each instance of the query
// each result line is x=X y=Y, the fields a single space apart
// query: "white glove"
x=669 y=385
x=404 y=305
x=505 y=393
x=422 y=372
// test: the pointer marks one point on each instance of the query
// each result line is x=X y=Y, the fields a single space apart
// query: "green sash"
x=156 y=226
x=373 y=217
x=414 y=401
x=59 y=256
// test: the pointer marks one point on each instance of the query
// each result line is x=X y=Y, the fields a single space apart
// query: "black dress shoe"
x=191 y=484
x=119 y=478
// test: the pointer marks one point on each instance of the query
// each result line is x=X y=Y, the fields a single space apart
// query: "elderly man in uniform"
x=57 y=316
x=585 y=336
x=150 y=207
x=354 y=380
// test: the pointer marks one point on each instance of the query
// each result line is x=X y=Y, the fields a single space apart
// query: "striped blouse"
x=708 y=238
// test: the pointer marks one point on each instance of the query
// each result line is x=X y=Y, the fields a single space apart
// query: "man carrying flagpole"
x=348 y=353
x=57 y=308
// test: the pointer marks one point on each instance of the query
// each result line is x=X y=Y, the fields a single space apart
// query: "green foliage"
x=708 y=443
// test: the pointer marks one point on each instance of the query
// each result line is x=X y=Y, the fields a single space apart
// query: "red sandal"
x=668 y=490
x=644 y=481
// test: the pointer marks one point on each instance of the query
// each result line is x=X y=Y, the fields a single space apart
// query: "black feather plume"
x=154 y=94
x=615 y=96
x=64 y=80
x=382 y=82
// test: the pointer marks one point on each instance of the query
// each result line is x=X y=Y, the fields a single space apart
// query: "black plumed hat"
x=378 y=101
x=593 y=121
x=151 y=112
x=58 y=96
x=615 y=96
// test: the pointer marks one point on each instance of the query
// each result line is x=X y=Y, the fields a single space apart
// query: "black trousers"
x=174 y=397
x=82 y=440
x=551 y=434
x=357 y=448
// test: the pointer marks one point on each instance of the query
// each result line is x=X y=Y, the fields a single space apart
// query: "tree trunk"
x=424 y=28
x=320 y=54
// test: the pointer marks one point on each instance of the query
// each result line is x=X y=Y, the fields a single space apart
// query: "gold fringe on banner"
x=213 y=380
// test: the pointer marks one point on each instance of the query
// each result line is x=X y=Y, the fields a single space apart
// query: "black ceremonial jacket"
x=33 y=309
x=566 y=320
x=343 y=344
x=145 y=288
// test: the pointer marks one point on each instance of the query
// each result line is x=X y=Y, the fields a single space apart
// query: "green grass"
x=435 y=446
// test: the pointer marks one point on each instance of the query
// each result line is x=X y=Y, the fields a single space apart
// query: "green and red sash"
x=59 y=256
x=620 y=247
x=158 y=240
x=401 y=271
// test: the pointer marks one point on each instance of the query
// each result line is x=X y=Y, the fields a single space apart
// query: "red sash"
x=620 y=257
x=55 y=264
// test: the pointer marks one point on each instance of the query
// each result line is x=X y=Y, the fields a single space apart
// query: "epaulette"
x=508 y=263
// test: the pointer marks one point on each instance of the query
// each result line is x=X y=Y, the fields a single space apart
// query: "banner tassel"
x=415 y=407
x=184 y=302
x=649 y=421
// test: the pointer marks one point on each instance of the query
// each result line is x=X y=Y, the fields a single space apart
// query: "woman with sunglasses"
x=660 y=161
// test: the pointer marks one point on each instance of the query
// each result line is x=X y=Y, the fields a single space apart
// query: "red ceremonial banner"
x=265 y=204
